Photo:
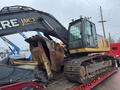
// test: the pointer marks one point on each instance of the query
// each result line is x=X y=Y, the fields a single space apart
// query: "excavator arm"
x=17 y=19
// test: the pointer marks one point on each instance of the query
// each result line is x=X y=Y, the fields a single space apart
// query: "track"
x=87 y=68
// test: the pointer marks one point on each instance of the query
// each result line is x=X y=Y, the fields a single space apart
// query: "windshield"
x=75 y=31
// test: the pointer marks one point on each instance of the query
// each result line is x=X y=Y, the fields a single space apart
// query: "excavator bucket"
x=48 y=54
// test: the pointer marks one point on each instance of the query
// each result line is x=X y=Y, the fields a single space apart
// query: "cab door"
x=90 y=36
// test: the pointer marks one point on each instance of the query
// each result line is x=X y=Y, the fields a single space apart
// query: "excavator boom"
x=17 y=19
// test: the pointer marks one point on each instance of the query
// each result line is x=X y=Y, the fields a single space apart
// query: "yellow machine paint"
x=103 y=46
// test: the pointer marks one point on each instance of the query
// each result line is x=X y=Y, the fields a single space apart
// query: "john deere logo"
x=15 y=23
x=8 y=23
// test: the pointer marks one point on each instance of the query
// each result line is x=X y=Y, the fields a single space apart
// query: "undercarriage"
x=85 y=69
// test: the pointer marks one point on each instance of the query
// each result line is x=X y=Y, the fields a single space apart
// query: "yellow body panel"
x=88 y=50
x=103 y=46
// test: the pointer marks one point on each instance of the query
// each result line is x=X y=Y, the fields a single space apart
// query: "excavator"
x=79 y=57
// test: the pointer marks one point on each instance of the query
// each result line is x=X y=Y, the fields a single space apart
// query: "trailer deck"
x=111 y=83
x=63 y=84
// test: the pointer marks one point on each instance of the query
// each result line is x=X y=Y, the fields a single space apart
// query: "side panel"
x=103 y=46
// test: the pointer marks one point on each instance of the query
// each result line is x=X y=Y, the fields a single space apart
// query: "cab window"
x=114 y=48
x=75 y=31
x=88 y=28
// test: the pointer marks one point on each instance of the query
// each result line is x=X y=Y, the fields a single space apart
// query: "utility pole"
x=110 y=40
x=102 y=22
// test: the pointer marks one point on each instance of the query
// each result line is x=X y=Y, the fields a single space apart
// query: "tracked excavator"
x=80 y=58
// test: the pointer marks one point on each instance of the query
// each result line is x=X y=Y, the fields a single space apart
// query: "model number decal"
x=27 y=21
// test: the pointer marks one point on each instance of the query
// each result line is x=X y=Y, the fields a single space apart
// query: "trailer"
x=31 y=85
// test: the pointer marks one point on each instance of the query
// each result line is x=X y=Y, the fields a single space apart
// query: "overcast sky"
x=65 y=10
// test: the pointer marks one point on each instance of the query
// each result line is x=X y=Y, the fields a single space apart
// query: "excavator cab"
x=83 y=37
x=82 y=34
